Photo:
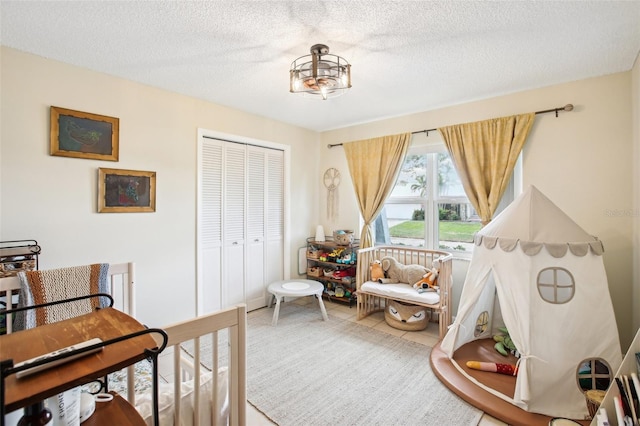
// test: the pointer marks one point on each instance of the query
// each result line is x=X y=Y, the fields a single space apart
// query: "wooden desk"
x=106 y=324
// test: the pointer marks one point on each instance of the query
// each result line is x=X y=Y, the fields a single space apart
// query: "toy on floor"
x=494 y=367
x=504 y=345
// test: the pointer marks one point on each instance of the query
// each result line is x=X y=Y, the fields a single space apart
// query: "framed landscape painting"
x=83 y=135
x=121 y=191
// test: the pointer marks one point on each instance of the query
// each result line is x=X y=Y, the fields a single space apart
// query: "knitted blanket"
x=45 y=286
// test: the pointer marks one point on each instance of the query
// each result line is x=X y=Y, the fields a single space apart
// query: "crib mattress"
x=404 y=292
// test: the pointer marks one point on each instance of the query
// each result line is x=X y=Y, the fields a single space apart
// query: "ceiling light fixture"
x=320 y=74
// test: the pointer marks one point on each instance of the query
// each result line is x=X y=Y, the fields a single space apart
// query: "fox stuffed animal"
x=428 y=281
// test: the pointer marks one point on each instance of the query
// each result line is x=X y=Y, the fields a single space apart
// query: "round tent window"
x=593 y=373
x=556 y=285
x=481 y=324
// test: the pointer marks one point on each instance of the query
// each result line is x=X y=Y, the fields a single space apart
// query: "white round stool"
x=295 y=288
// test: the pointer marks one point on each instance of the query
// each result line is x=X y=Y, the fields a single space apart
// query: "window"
x=556 y=285
x=428 y=206
x=482 y=322
x=593 y=373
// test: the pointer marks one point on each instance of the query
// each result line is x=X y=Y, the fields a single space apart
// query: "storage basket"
x=343 y=237
x=404 y=311
x=594 y=398
x=314 y=271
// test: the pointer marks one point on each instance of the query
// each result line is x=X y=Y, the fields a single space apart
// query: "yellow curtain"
x=374 y=165
x=484 y=154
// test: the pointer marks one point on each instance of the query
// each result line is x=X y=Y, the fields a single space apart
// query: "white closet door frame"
x=204 y=134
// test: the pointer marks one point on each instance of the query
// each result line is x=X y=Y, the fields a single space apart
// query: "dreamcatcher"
x=331 y=182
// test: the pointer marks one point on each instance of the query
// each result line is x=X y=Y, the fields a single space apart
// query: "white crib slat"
x=240 y=357
x=214 y=379
x=237 y=370
x=177 y=388
x=196 y=382
x=234 y=382
x=131 y=271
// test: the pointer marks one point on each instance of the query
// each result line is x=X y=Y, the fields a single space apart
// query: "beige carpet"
x=310 y=372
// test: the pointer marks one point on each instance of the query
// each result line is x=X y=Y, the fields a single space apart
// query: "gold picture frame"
x=84 y=135
x=122 y=191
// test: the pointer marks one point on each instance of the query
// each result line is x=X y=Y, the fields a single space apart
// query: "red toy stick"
x=493 y=367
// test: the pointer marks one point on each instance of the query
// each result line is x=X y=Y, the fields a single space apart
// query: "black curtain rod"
x=567 y=107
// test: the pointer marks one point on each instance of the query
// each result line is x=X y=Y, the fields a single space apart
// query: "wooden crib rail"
x=235 y=321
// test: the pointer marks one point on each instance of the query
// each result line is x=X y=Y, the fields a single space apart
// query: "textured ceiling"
x=406 y=56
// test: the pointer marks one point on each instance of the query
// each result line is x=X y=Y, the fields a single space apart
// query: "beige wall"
x=53 y=199
x=581 y=160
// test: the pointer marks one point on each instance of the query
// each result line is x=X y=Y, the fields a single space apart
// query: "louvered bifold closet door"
x=233 y=225
x=255 y=264
x=275 y=216
x=241 y=206
x=210 y=226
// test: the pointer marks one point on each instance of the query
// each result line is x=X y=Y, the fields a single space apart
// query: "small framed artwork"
x=121 y=191
x=83 y=135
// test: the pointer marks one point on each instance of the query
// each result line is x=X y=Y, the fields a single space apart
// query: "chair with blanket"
x=46 y=286
x=39 y=287
x=43 y=286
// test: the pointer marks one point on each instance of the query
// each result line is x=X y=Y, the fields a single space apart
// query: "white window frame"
x=431 y=200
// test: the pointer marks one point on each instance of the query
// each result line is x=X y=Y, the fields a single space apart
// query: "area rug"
x=310 y=372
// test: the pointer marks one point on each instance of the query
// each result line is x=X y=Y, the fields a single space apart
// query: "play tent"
x=535 y=271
